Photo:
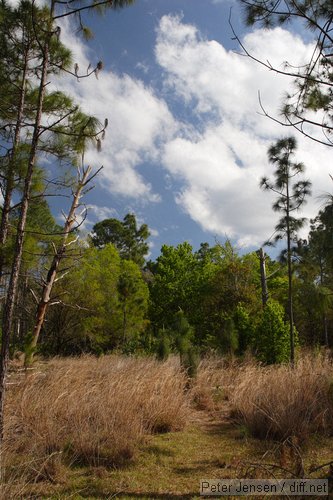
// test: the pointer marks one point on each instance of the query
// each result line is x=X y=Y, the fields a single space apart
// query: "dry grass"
x=92 y=411
x=97 y=412
x=280 y=402
x=217 y=380
x=273 y=402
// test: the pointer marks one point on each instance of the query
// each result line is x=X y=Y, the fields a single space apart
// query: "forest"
x=111 y=348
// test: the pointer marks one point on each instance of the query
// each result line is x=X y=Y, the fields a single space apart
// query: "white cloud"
x=220 y=168
x=217 y=164
x=101 y=213
x=143 y=67
x=138 y=120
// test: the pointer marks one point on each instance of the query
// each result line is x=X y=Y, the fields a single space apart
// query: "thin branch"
x=80 y=9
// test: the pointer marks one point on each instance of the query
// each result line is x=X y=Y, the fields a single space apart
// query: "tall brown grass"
x=217 y=379
x=93 y=411
x=280 y=401
x=97 y=411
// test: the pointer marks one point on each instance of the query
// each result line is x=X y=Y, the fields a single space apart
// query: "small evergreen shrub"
x=272 y=342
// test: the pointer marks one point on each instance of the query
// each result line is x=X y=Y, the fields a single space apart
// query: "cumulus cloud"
x=218 y=156
x=100 y=213
x=138 y=120
x=221 y=166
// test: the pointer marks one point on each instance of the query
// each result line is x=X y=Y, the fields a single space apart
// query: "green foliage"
x=314 y=283
x=190 y=361
x=182 y=331
x=230 y=336
x=130 y=241
x=234 y=280
x=133 y=298
x=272 y=342
x=207 y=286
x=245 y=328
x=107 y=305
x=28 y=349
x=174 y=284
x=163 y=346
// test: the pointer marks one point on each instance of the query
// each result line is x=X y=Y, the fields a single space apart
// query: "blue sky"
x=186 y=143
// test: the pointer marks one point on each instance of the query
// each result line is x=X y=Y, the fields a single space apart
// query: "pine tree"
x=290 y=197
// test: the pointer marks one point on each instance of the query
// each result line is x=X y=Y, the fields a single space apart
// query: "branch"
x=77 y=307
x=296 y=125
x=80 y=9
x=44 y=129
x=34 y=295
x=268 y=65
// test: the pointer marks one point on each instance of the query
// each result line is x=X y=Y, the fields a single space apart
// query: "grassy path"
x=171 y=465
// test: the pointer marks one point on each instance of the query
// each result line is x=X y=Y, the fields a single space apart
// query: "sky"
x=186 y=144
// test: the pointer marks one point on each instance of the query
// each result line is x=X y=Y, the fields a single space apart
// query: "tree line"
x=186 y=301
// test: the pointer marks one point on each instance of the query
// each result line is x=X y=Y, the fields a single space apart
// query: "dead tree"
x=84 y=178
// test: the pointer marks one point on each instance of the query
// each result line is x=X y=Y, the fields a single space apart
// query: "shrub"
x=272 y=342
x=244 y=327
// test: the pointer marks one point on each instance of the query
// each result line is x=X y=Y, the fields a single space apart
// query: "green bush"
x=245 y=328
x=272 y=342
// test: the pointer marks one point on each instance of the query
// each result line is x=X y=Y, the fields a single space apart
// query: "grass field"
x=133 y=428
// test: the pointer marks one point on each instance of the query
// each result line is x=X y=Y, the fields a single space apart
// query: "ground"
x=171 y=465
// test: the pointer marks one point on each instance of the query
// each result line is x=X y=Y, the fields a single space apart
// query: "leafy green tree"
x=163 y=345
x=96 y=293
x=320 y=245
x=184 y=341
x=133 y=296
x=234 y=280
x=290 y=197
x=175 y=285
x=130 y=241
x=183 y=332
x=108 y=303
x=315 y=279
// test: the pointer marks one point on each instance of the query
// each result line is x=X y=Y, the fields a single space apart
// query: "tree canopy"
x=129 y=239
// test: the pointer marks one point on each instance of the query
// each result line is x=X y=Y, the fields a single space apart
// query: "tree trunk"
x=264 y=289
x=11 y=174
x=124 y=321
x=290 y=294
x=51 y=275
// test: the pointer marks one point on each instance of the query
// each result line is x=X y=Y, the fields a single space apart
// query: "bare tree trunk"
x=51 y=275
